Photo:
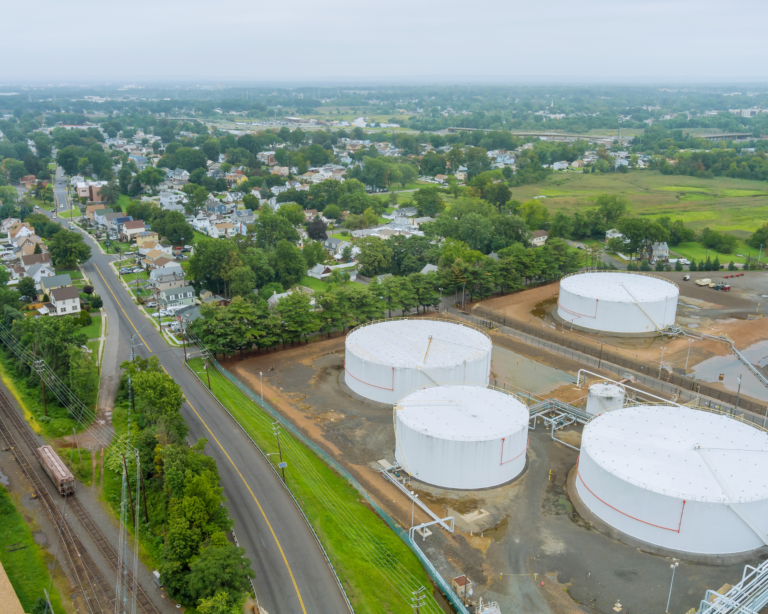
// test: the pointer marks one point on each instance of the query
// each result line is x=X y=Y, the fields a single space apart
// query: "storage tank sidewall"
x=704 y=527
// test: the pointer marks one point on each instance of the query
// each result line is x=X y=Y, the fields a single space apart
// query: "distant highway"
x=292 y=575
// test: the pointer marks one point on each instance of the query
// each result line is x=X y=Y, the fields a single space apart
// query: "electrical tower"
x=418 y=599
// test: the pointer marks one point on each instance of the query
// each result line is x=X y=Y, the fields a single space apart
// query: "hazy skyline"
x=599 y=40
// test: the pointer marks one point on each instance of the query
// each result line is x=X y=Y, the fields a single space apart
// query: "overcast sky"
x=240 y=40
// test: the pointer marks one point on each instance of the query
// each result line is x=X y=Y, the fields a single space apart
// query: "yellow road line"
x=261 y=509
x=271 y=530
x=121 y=308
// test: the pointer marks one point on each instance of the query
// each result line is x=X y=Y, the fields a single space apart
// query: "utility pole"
x=184 y=338
x=689 y=354
x=143 y=490
x=661 y=364
x=38 y=366
x=738 y=395
x=128 y=482
x=276 y=430
x=261 y=381
x=207 y=372
x=417 y=599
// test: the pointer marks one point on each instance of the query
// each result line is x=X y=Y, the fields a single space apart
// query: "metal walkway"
x=749 y=596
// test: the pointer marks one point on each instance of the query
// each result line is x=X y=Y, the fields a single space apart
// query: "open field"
x=93 y=330
x=23 y=560
x=729 y=205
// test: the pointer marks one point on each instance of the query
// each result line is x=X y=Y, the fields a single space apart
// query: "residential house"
x=153 y=246
x=7 y=224
x=266 y=157
x=332 y=244
x=26 y=244
x=209 y=298
x=172 y=200
x=57 y=281
x=29 y=261
x=223 y=230
x=90 y=210
x=152 y=256
x=21 y=229
x=168 y=269
x=17 y=272
x=577 y=164
x=170 y=281
x=309 y=214
x=660 y=251
x=281 y=171
x=166 y=263
x=539 y=238
x=99 y=215
x=244 y=216
x=323 y=271
x=215 y=206
x=418 y=221
x=613 y=233
x=176 y=297
x=406 y=212
x=428 y=268
x=28 y=181
x=273 y=300
x=116 y=224
x=460 y=175
x=130 y=229
x=38 y=271
x=180 y=176
x=188 y=314
x=147 y=236
x=560 y=166
x=441 y=178
x=65 y=300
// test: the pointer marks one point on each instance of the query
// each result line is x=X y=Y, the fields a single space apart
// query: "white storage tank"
x=603 y=396
x=387 y=359
x=676 y=477
x=618 y=302
x=461 y=437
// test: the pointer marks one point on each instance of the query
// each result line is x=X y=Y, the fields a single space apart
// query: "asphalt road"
x=292 y=575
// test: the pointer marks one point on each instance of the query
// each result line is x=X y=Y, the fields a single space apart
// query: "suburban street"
x=292 y=575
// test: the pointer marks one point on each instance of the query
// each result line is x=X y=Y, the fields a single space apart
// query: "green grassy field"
x=734 y=206
x=122 y=203
x=93 y=330
x=23 y=560
x=349 y=529
x=311 y=282
x=695 y=250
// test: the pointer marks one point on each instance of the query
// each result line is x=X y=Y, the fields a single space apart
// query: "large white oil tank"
x=618 y=302
x=461 y=437
x=603 y=396
x=387 y=359
x=676 y=477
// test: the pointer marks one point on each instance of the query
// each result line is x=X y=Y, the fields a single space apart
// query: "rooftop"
x=463 y=413
x=404 y=343
x=654 y=447
x=619 y=287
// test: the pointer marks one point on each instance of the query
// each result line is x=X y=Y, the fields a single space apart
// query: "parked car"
x=157 y=314
x=137 y=269
x=126 y=270
x=163 y=312
x=150 y=304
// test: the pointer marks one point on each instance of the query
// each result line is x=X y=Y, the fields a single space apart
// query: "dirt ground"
x=530 y=532
x=702 y=309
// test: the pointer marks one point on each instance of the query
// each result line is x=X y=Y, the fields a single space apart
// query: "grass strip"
x=340 y=533
x=23 y=560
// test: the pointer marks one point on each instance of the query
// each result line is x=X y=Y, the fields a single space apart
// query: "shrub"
x=88 y=289
x=644 y=266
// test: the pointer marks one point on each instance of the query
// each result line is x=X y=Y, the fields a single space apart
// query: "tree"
x=375 y=256
x=296 y=314
x=292 y=212
x=429 y=202
x=758 y=239
x=678 y=265
x=251 y=202
x=110 y=193
x=289 y=264
x=611 y=207
x=26 y=287
x=332 y=212
x=96 y=302
x=317 y=229
x=534 y=213
x=219 y=568
x=197 y=196
x=13 y=169
x=68 y=249
x=272 y=228
x=314 y=253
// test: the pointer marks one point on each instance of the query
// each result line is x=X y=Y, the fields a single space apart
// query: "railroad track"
x=98 y=593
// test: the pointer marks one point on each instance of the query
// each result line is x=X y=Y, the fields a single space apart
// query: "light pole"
x=738 y=393
x=261 y=381
x=661 y=364
x=413 y=505
x=689 y=354
x=672 y=567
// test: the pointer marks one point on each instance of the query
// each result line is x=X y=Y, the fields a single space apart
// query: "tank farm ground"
x=531 y=532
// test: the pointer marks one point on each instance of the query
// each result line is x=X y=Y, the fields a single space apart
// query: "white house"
x=38 y=271
x=65 y=300
x=539 y=238
x=660 y=251
x=560 y=166
x=222 y=230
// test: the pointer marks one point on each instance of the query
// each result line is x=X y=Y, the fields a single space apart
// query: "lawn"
x=23 y=560
x=695 y=250
x=93 y=330
x=734 y=206
x=312 y=282
x=199 y=235
x=94 y=347
x=337 y=511
x=122 y=203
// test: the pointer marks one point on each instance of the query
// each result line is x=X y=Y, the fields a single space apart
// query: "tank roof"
x=462 y=413
x=613 y=287
x=655 y=447
x=607 y=390
x=404 y=343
